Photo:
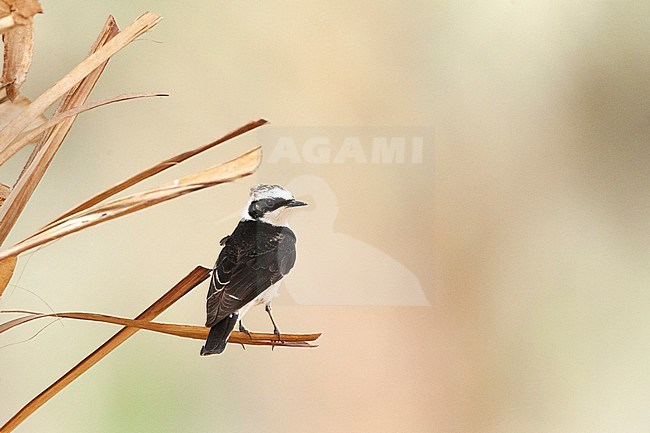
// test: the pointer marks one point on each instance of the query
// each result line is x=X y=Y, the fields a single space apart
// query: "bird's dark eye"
x=268 y=202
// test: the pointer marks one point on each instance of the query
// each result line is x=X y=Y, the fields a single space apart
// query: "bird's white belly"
x=263 y=298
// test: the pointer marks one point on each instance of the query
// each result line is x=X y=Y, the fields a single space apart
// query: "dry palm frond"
x=17 y=116
x=161 y=166
x=53 y=131
x=78 y=83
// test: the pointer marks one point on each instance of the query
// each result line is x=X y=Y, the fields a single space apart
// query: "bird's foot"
x=278 y=338
x=245 y=331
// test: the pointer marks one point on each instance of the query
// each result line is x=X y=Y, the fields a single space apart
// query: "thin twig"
x=194 y=278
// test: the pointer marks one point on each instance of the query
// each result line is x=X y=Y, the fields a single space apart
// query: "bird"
x=254 y=258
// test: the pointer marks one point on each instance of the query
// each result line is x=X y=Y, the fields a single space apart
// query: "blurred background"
x=475 y=251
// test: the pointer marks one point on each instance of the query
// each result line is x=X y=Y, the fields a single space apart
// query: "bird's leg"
x=276 y=331
x=242 y=329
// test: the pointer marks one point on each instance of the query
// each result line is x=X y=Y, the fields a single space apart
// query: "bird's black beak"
x=296 y=203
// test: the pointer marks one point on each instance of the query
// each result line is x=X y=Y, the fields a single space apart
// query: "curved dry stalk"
x=243 y=165
x=164 y=165
x=194 y=278
x=28 y=136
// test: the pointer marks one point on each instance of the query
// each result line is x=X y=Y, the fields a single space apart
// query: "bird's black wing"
x=221 y=274
x=256 y=256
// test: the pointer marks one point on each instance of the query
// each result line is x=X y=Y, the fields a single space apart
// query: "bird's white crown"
x=262 y=191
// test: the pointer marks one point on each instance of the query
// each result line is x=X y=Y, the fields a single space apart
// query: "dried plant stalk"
x=194 y=278
x=241 y=166
x=184 y=331
x=34 y=169
x=164 y=165
x=43 y=152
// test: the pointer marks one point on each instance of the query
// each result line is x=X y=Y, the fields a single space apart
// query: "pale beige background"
x=526 y=226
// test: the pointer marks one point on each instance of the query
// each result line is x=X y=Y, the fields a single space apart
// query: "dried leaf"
x=107 y=44
x=243 y=165
x=184 y=331
x=7 y=267
x=164 y=165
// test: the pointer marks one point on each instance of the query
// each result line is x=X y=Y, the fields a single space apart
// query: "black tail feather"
x=218 y=336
